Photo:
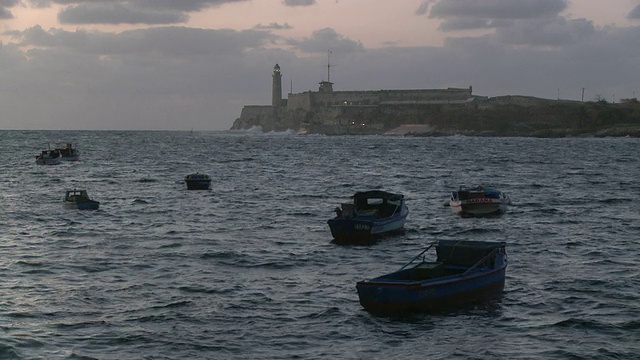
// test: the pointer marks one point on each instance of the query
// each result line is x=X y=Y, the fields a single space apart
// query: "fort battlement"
x=311 y=100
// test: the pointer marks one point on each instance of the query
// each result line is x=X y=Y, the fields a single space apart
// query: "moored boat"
x=371 y=215
x=49 y=157
x=198 y=181
x=465 y=273
x=479 y=201
x=79 y=199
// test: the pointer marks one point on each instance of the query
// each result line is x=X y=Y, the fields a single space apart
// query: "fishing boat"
x=479 y=201
x=371 y=215
x=464 y=273
x=197 y=181
x=49 y=157
x=79 y=199
x=69 y=153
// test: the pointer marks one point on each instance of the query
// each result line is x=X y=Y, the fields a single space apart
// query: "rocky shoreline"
x=557 y=133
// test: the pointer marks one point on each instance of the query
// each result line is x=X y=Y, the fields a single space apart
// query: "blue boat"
x=371 y=215
x=78 y=199
x=464 y=273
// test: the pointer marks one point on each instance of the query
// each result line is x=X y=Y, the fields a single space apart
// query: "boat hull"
x=198 y=184
x=482 y=207
x=85 y=205
x=445 y=294
x=48 y=161
x=74 y=156
x=479 y=201
x=355 y=229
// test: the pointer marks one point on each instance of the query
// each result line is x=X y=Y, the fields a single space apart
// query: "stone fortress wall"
x=310 y=100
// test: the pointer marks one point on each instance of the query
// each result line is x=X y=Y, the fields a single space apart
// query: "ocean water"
x=248 y=271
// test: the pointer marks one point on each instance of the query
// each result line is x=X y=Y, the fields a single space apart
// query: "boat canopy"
x=197 y=176
x=465 y=252
x=361 y=199
x=464 y=193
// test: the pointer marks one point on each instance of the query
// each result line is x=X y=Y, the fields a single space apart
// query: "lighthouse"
x=276 y=99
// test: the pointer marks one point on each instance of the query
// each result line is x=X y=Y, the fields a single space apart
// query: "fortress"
x=350 y=112
x=436 y=112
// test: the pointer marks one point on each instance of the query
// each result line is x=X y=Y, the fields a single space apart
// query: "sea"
x=247 y=270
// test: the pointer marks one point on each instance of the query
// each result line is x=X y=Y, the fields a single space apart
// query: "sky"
x=193 y=64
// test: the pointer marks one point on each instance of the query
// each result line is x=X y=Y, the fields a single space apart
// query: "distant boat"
x=69 y=153
x=197 y=181
x=78 y=199
x=371 y=215
x=49 y=157
x=479 y=201
x=464 y=273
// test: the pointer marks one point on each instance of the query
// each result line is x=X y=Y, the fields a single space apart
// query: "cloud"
x=159 y=78
x=522 y=23
x=273 y=26
x=486 y=14
x=174 y=42
x=424 y=7
x=497 y=9
x=181 y=5
x=326 y=39
x=547 y=32
x=635 y=13
x=129 y=11
x=117 y=13
x=471 y=24
x=5 y=13
x=299 y=2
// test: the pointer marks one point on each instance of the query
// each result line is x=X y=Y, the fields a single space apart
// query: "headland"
x=437 y=112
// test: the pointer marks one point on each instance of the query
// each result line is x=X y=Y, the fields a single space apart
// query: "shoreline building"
x=334 y=112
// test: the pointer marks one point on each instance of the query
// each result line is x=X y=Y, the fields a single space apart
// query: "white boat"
x=479 y=201
x=49 y=157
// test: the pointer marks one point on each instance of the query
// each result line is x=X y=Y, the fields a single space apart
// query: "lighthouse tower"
x=276 y=98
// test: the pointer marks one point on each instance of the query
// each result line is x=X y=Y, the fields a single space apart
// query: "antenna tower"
x=329 y=66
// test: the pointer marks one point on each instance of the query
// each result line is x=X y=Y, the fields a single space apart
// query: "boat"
x=78 y=199
x=197 y=181
x=49 y=157
x=69 y=153
x=464 y=274
x=479 y=201
x=372 y=214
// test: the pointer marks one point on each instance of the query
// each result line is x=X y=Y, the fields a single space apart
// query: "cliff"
x=497 y=116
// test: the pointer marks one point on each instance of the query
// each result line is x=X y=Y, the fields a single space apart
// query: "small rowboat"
x=463 y=274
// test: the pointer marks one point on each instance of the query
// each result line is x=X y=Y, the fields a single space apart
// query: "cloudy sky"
x=193 y=64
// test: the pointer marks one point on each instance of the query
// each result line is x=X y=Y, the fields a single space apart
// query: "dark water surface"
x=247 y=270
